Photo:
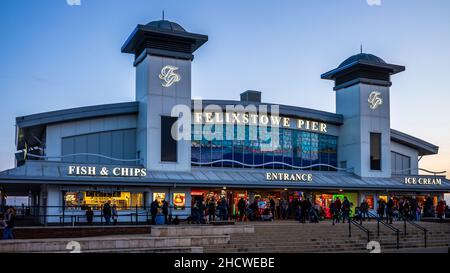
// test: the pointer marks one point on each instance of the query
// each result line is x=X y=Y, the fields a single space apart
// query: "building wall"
x=55 y=133
x=359 y=122
x=156 y=101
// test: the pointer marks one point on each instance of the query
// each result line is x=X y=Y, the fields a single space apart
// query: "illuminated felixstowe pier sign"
x=258 y=120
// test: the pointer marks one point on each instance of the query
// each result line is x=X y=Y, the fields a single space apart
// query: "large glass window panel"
x=217 y=153
x=306 y=149
x=375 y=151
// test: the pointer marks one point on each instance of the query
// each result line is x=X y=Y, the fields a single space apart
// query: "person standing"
x=9 y=221
x=165 y=211
x=212 y=209
x=440 y=210
x=107 y=212
x=304 y=211
x=89 y=215
x=389 y=210
x=284 y=208
x=332 y=210
x=418 y=212
x=272 y=207
x=241 y=208
x=114 y=214
x=154 y=206
x=224 y=208
x=337 y=209
x=364 y=210
x=381 y=208
x=296 y=206
x=346 y=210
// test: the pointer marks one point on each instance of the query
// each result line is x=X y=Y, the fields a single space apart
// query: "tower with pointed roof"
x=362 y=85
x=163 y=53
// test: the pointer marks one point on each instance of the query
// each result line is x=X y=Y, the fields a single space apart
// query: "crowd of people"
x=410 y=209
x=209 y=210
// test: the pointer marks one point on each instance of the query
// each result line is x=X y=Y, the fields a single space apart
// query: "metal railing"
x=126 y=215
x=414 y=224
x=396 y=230
x=358 y=225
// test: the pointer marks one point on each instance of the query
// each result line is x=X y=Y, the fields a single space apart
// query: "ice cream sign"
x=423 y=181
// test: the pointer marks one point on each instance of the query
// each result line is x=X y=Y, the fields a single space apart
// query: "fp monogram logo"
x=169 y=76
x=375 y=100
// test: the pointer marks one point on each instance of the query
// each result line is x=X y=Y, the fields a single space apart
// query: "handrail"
x=396 y=230
x=358 y=225
x=414 y=224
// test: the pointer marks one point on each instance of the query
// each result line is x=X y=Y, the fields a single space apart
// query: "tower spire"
x=163 y=15
x=361 y=48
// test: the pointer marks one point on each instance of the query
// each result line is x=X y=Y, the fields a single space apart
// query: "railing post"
x=425 y=234
x=404 y=219
x=101 y=215
x=64 y=215
x=398 y=239
x=137 y=216
x=349 y=229
x=378 y=228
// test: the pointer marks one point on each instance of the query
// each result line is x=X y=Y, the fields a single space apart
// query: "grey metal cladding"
x=78 y=114
x=424 y=148
x=119 y=144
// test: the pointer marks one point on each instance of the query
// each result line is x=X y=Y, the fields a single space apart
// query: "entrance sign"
x=423 y=181
x=291 y=177
x=106 y=171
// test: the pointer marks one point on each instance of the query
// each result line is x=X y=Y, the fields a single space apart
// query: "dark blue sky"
x=55 y=56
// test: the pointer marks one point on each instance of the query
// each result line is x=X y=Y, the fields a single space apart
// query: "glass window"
x=293 y=147
x=160 y=197
x=400 y=164
x=96 y=199
x=179 y=201
x=375 y=151
x=71 y=199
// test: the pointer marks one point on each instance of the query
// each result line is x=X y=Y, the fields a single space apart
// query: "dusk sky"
x=55 y=56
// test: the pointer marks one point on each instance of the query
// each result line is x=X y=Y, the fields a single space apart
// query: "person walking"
x=154 y=206
x=107 y=212
x=9 y=223
x=346 y=207
x=89 y=215
x=364 y=208
x=165 y=211
x=212 y=209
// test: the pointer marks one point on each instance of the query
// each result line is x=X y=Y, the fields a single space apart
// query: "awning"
x=44 y=172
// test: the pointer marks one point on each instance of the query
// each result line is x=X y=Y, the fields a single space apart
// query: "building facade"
x=166 y=146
